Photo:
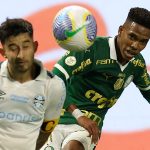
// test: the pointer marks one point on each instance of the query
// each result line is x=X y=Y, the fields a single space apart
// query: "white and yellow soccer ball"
x=74 y=28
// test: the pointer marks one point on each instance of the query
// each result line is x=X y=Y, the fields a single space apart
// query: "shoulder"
x=138 y=65
x=57 y=83
x=140 y=57
x=139 y=61
x=101 y=48
x=50 y=74
x=101 y=43
x=55 y=88
x=102 y=39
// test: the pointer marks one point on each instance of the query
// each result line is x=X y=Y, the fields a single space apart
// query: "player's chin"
x=22 y=68
x=128 y=57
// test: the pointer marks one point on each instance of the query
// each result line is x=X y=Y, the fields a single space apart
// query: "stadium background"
x=127 y=124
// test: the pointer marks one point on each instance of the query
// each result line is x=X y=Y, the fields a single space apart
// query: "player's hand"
x=91 y=126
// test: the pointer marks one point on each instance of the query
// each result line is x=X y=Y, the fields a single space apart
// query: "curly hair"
x=13 y=27
x=140 y=16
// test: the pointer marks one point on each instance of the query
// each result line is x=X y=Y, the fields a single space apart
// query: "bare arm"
x=90 y=125
x=46 y=129
x=43 y=137
x=71 y=108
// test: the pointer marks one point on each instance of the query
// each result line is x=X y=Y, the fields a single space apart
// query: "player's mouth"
x=20 y=63
x=129 y=54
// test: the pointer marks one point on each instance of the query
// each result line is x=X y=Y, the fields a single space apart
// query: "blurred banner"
x=127 y=124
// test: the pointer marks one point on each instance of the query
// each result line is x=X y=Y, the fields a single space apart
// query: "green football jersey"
x=95 y=79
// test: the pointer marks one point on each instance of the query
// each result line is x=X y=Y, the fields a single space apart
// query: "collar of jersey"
x=113 y=54
x=41 y=76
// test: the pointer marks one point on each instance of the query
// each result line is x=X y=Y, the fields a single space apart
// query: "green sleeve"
x=73 y=63
x=142 y=81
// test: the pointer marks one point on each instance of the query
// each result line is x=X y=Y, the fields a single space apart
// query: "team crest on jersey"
x=39 y=101
x=128 y=81
x=70 y=60
x=119 y=83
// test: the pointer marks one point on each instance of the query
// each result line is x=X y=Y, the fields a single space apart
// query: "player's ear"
x=35 y=46
x=2 y=52
x=120 y=30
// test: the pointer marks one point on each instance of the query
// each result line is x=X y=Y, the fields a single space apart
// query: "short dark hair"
x=13 y=27
x=140 y=16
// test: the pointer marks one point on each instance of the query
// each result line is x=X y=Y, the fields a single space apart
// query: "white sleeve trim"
x=59 y=67
x=144 y=89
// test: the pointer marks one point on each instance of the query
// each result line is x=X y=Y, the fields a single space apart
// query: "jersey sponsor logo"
x=70 y=61
x=88 y=114
x=17 y=98
x=128 y=81
x=145 y=77
x=105 y=61
x=92 y=116
x=138 y=62
x=82 y=66
x=19 y=117
x=39 y=102
x=101 y=101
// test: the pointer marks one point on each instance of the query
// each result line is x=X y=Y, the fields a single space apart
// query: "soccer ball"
x=74 y=28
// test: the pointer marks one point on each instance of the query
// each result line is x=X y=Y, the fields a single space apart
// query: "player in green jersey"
x=97 y=77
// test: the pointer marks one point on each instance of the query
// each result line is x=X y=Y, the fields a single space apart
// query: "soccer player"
x=29 y=105
x=96 y=78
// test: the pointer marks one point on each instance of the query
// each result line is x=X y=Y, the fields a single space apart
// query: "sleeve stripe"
x=144 y=89
x=59 y=67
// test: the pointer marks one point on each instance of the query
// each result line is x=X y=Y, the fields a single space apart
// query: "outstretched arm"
x=90 y=125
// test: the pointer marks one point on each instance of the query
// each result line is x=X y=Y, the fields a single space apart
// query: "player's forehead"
x=140 y=30
x=20 y=38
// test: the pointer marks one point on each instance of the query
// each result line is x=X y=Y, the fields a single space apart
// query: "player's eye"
x=26 y=46
x=13 y=47
x=132 y=37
